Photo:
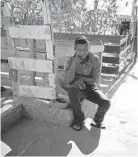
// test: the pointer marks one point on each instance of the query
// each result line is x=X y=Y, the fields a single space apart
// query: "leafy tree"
x=68 y=15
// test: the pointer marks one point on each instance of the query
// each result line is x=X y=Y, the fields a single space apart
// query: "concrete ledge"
x=55 y=113
x=44 y=111
x=10 y=114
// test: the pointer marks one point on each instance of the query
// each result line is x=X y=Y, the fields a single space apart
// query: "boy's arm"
x=95 y=74
x=70 y=69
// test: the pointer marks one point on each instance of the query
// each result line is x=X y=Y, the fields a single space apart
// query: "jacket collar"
x=85 y=59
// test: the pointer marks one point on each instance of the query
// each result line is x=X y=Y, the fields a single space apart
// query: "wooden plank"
x=69 y=51
x=104 y=75
x=125 y=50
x=123 y=40
x=104 y=38
x=36 y=91
x=110 y=54
x=48 y=44
x=49 y=50
x=96 y=48
x=13 y=73
x=26 y=49
x=30 y=64
x=111 y=49
x=30 y=32
x=110 y=69
x=127 y=57
x=114 y=60
x=32 y=54
x=24 y=79
x=51 y=80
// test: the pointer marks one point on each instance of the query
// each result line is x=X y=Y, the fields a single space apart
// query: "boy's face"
x=82 y=50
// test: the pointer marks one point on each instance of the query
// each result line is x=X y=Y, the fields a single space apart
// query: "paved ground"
x=29 y=138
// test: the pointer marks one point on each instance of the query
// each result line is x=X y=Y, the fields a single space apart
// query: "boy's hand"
x=77 y=59
x=80 y=84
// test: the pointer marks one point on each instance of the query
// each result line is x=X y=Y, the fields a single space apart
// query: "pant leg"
x=75 y=98
x=96 y=96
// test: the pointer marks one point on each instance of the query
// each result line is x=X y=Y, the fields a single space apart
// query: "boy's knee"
x=73 y=88
x=106 y=103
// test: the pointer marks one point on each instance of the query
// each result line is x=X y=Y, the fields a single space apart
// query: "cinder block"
x=10 y=116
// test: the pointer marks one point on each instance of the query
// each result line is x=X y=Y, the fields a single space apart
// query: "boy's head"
x=81 y=46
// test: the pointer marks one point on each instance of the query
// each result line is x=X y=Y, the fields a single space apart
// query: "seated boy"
x=82 y=78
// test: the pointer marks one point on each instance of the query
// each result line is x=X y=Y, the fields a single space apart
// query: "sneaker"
x=98 y=125
x=77 y=126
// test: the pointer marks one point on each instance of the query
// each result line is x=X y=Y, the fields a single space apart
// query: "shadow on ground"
x=28 y=138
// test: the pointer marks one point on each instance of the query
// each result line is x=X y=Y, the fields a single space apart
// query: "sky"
x=122 y=10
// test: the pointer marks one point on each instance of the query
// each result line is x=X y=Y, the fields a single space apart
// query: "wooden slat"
x=110 y=54
x=123 y=40
x=49 y=49
x=110 y=69
x=48 y=44
x=24 y=79
x=104 y=75
x=96 y=48
x=114 y=60
x=125 y=50
x=38 y=50
x=111 y=49
x=32 y=54
x=51 y=80
x=69 y=51
x=30 y=64
x=30 y=32
x=36 y=91
x=127 y=57
x=104 y=38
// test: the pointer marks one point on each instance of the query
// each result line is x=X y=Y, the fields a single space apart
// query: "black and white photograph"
x=69 y=78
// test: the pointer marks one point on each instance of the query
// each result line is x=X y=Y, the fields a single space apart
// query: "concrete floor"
x=28 y=138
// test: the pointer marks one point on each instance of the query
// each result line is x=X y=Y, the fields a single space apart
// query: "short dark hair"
x=81 y=40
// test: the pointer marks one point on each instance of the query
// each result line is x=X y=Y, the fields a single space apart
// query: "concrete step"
x=53 y=112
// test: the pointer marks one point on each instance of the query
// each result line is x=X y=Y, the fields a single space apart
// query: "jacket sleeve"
x=96 y=72
x=66 y=68
x=67 y=64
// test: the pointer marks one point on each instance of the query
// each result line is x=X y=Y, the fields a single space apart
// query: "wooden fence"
x=116 y=54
